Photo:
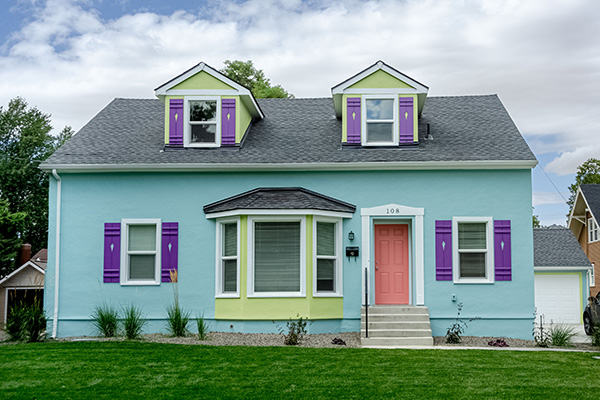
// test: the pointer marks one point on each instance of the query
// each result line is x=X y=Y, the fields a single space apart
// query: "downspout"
x=56 y=253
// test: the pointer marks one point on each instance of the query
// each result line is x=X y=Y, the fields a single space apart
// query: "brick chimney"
x=24 y=253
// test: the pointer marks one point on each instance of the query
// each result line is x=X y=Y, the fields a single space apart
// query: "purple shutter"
x=353 y=120
x=502 y=254
x=170 y=242
x=112 y=251
x=406 y=120
x=176 y=122
x=228 y=122
x=443 y=250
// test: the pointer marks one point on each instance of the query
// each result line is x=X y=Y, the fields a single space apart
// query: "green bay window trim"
x=379 y=116
x=140 y=251
x=593 y=230
x=202 y=125
x=277 y=256
x=228 y=258
x=473 y=249
x=327 y=259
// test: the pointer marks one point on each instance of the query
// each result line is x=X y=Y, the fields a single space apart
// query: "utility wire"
x=563 y=197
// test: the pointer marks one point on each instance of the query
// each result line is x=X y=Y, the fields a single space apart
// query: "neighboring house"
x=561 y=275
x=26 y=283
x=271 y=209
x=583 y=222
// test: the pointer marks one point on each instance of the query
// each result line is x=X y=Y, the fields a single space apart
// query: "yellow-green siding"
x=380 y=80
x=280 y=308
x=202 y=80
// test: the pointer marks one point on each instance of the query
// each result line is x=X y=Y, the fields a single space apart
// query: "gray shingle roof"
x=556 y=246
x=280 y=199
x=131 y=131
x=592 y=197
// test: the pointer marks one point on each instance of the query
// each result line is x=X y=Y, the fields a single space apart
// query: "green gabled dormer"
x=379 y=106
x=204 y=108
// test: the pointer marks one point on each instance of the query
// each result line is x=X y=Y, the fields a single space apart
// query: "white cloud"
x=539 y=56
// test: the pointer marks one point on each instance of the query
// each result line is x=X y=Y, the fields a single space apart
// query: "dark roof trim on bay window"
x=280 y=198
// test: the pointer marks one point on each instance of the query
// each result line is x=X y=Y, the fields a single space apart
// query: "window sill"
x=140 y=283
x=474 y=281
x=335 y=295
x=207 y=145
x=275 y=294
x=227 y=296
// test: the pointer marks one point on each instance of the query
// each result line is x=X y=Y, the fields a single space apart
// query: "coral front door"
x=391 y=264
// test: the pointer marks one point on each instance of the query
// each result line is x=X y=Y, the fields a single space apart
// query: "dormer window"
x=202 y=116
x=380 y=121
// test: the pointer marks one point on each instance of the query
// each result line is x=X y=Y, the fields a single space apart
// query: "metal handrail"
x=366 y=302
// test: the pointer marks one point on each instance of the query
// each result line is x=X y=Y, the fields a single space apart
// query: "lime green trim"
x=244 y=118
x=380 y=80
x=581 y=297
x=278 y=308
x=202 y=80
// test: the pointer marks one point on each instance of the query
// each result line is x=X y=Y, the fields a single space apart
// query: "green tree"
x=10 y=226
x=25 y=141
x=588 y=172
x=536 y=221
x=244 y=73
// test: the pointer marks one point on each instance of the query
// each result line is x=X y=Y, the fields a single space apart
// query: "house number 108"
x=393 y=211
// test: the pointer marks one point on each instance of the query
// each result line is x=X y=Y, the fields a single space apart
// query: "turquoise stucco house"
x=273 y=208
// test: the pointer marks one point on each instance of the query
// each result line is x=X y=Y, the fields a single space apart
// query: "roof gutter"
x=56 y=253
x=335 y=166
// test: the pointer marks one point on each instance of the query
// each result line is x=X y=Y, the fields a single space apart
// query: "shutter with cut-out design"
x=169 y=248
x=112 y=251
x=502 y=252
x=443 y=250
x=228 y=122
x=176 y=122
x=353 y=120
x=406 y=121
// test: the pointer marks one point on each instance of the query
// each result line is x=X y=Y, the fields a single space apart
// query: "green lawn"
x=153 y=371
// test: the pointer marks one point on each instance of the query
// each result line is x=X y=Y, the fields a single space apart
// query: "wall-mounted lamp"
x=351 y=236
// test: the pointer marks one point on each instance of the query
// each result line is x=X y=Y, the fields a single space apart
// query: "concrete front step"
x=396 y=341
x=396 y=317
x=396 y=310
x=397 y=333
x=397 y=325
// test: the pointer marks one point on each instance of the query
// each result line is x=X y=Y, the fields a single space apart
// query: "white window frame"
x=592 y=275
x=395 y=129
x=250 y=278
x=124 y=275
x=489 y=259
x=593 y=230
x=338 y=280
x=187 y=134
x=219 y=259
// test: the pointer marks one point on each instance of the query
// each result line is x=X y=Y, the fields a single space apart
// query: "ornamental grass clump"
x=15 y=321
x=203 y=327
x=177 y=318
x=562 y=335
x=106 y=320
x=133 y=322
x=26 y=322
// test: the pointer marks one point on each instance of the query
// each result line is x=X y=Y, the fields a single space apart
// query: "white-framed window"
x=592 y=230
x=202 y=125
x=473 y=249
x=140 y=251
x=277 y=256
x=379 y=116
x=327 y=259
x=228 y=258
x=592 y=275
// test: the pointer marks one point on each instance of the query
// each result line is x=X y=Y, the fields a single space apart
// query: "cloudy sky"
x=71 y=57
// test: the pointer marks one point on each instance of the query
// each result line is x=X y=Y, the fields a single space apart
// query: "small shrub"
x=26 y=322
x=541 y=334
x=15 y=321
x=455 y=331
x=596 y=336
x=106 y=320
x=177 y=320
x=562 y=335
x=498 y=343
x=133 y=322
x=203 y=327
x=295 y=331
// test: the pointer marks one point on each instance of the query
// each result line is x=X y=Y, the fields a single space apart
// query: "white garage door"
x=557 y=297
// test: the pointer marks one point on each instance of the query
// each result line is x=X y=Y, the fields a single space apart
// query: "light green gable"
x=380 y=80
x=345 y=113
x=279 y=308
x=202 y=80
